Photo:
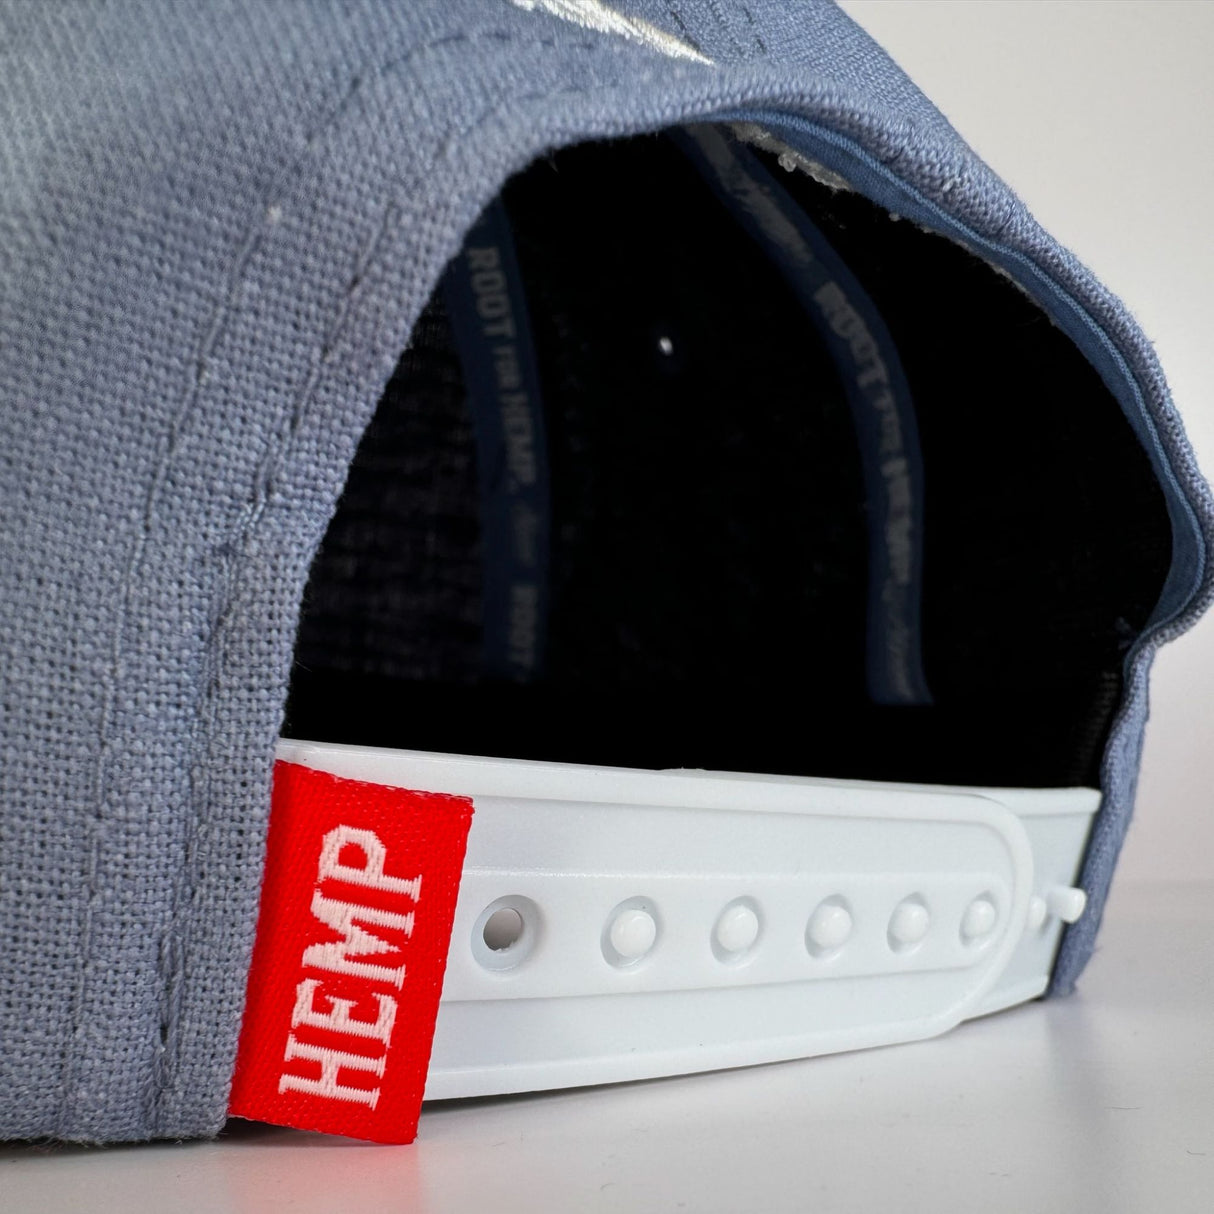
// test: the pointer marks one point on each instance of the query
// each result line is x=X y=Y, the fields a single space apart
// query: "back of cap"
x=744 y=421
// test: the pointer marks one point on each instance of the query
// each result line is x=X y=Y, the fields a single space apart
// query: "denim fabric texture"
x=218 y=223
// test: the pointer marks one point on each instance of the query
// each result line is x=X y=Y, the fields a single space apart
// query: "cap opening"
x=696 y=461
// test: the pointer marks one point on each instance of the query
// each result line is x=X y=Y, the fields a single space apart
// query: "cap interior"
x=631 y=496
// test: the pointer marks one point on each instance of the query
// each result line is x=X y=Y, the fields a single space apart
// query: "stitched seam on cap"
x=173 y=951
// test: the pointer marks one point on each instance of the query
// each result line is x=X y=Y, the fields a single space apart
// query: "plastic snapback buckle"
x=616 y=924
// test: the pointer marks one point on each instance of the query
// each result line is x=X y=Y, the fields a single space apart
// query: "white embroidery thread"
x=595 y=15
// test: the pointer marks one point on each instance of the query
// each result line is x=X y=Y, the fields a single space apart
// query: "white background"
x=1100 y=115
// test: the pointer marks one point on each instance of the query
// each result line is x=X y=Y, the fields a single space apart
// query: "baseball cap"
x=546 y=543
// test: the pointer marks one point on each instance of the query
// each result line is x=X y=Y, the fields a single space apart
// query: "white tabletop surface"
x=1100 y=115
x=1102 y=1102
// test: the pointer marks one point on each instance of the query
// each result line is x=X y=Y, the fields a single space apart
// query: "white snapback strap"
x=615 y=924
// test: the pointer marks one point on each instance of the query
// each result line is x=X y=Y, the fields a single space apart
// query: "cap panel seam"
x=174 y=944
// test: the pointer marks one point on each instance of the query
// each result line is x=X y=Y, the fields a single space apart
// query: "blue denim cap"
x=222 y=226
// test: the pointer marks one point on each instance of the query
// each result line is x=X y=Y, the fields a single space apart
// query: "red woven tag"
x=356 y=909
